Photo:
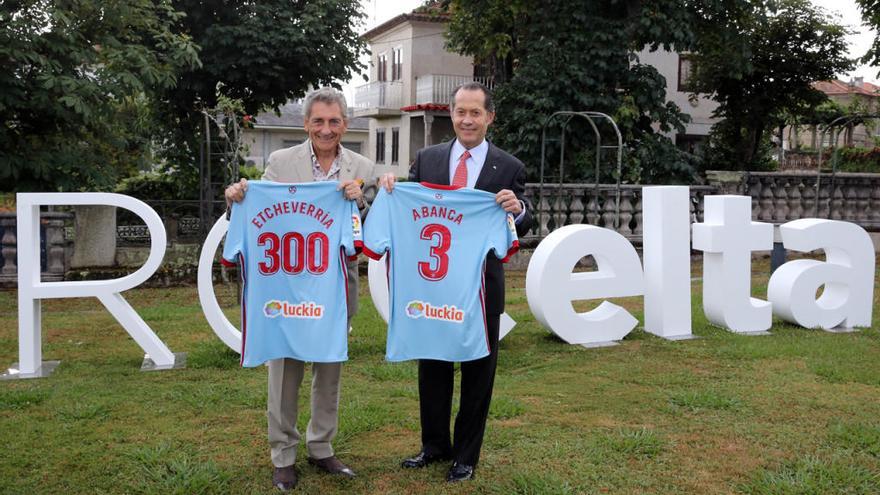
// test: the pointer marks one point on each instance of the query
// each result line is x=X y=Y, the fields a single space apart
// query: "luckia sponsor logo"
x=356 y=225
x=420 y=309
x=305 y=309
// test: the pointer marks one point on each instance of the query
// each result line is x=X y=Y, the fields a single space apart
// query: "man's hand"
x=351 y=189
x=509 y=202
x=236 y=192
x=387 y=181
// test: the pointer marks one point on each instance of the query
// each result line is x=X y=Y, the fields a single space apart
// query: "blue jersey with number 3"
x=291 y=241
x=437 y=239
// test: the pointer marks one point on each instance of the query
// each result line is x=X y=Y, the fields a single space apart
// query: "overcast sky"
x=860 y=41
x=379 y=11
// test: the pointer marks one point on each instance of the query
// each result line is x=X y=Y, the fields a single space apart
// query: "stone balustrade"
x=777 y=197
x=53 y=262
x=587 y=204
x=781 y=197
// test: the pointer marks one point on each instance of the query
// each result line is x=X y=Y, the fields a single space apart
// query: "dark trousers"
x=435 y=402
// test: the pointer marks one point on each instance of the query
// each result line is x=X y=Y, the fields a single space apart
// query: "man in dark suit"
x=467 y=161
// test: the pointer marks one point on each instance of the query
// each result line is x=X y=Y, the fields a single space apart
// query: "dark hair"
x=475 y=86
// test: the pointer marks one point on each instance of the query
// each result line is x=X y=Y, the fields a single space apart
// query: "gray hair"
x=475 y=86
x=325 y=95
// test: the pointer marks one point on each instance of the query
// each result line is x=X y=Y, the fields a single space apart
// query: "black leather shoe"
x=284 y=478
x=423 y=459
x=460 y=472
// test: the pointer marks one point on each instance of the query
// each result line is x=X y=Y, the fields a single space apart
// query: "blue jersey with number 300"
x=291 y=241
x=437 y=239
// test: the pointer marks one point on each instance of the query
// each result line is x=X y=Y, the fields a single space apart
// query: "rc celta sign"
x=727 y=238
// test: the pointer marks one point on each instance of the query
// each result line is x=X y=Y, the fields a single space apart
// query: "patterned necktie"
x=460 y=178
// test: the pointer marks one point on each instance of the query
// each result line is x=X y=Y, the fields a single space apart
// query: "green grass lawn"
x=795 y=412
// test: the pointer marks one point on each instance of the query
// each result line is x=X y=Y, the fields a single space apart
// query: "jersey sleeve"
x=235 y=235
x=352 y=236
x=504 y=241
x=377 y=230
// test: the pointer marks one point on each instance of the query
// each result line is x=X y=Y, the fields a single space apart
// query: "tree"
x=260 y=53
x=871 y=16
x=547 y=56
x=74 y=83
x=759 y=59
x=90 y=90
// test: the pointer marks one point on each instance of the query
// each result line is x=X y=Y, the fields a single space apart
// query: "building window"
x=380 y=145
x=395 y=145
x=685 y=64
x=397 y=64
x=352 y=146
x=690 y=143
x=381 y=72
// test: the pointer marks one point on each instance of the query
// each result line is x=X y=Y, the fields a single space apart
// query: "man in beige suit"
x=322 y=157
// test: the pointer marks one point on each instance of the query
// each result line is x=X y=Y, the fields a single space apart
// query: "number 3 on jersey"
x=296 y=252
x=442 y=239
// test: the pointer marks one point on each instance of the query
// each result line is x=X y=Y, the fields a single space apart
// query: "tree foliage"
x=758 y=60
x=259 y=53
x=74 y=78
x=266 y=52
x=547 y=56
x=871 y=16
x=91 y=90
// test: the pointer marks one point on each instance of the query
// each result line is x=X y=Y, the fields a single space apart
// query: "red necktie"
x=460 y=178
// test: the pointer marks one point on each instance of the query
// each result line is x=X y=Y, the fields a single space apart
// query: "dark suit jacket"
x=501 y=171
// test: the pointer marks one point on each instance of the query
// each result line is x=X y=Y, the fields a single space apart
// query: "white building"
x=675 y=68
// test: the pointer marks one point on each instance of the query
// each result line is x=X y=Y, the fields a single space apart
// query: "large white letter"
x=728 y=237
x=847 y=274
x=551 y=286
x=31 y=290
x=667 y=255
x=377 y=273
x=230 y=335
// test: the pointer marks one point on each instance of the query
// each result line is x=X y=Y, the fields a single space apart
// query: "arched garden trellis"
x=835 y=126
x=566 y=117
x=221 y=147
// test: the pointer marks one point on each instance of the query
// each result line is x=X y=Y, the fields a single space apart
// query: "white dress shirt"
x=474 y=166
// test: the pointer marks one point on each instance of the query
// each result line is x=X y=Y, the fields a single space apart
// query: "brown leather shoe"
x=332 y=465
x=284 y=478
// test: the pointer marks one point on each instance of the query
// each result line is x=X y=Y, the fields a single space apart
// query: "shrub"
x=856 y=159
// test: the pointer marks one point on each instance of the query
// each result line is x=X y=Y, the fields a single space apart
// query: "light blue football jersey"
x=437 y=239
x=291 y=242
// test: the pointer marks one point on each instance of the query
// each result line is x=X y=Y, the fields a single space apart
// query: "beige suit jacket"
x=294 y=164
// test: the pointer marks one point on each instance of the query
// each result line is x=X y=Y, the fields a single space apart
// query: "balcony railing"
x=380 y=94
x=437 y=88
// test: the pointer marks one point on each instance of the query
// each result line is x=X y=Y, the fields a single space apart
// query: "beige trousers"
x=285 y=378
